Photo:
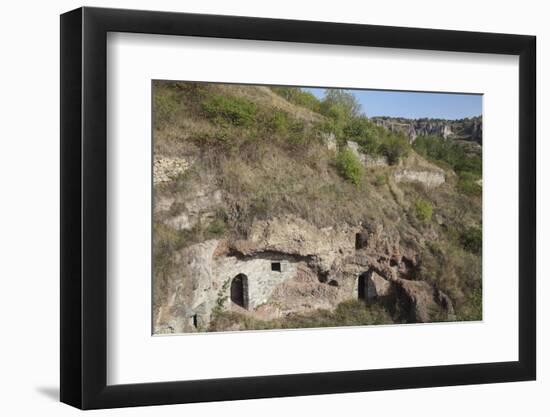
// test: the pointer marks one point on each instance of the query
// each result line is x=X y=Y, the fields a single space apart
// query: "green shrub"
x=372 y=139
x=449 y=152
x=330 y=126
x=467 y=166
x=233 y=110
x=343 y=99
x=278 y=122
x=298 y=133
x=216 y=228
x=394 y=148
x=471 y=164
x=349 y=166
x=299 y=97
x=358 y=128
x=471 y=239
x=467 y=184
x=472 y=308
x=423 y=210
x=337 y=119
x=365 y=133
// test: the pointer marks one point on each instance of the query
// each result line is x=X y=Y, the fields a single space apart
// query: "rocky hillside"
x=469 y=129
x=272 y=210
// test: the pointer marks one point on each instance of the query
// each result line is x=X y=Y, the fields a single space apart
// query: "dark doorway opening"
x=362 y=286
x=239 y=290
x=361 y=240
x=276 y=266
x=195 y=321
x=408 y=265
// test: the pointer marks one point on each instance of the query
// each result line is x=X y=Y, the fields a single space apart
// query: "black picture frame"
x=84 y=207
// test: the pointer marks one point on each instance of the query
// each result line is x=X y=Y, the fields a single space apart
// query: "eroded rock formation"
x=469 y=129
x=288 y=265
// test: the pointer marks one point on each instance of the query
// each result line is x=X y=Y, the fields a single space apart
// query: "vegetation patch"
x=423 y=210
x=395 y=147
x=468 y=184
x=453 y=154
x=349 y=166
x=299 y=97
x=455 y=271
x=472 y=240
x=347 y=313
x=236 y=111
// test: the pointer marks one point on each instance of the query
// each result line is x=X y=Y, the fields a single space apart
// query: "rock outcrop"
x=469 y=129
x=429 y=178
x=421 y=302
x=329 y=139
x=417 y=170
x=200 y=208
x=166 y=169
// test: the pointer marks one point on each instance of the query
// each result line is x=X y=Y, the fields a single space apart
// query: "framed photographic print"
x=257 y=208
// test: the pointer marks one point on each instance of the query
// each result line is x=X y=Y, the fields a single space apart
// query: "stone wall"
x=204 y=281
x=261 y=279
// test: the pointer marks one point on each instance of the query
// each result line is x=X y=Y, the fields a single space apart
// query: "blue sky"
x=414 y=105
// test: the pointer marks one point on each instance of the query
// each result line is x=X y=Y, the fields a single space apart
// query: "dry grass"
x=347 y=313
x=266 y=98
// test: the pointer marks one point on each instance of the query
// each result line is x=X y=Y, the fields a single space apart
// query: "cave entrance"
x=366 y=290
x=362 y=286
x=239 y=290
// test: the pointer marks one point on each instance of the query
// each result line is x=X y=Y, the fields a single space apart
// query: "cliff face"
x=259 y=230
x=291 y=266
x=469 y=129
x=287 y=264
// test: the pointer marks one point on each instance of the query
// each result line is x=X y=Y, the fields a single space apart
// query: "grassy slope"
x=268 y=158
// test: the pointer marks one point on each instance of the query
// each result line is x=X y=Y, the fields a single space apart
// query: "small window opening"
x=361 y=240
x=194 y=321
x=333 y=283
x=276 y=266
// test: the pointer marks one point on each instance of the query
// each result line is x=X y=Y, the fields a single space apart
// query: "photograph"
x=285 y=207
x=275 y=209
